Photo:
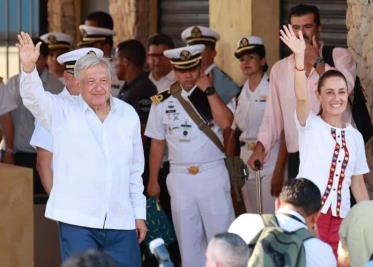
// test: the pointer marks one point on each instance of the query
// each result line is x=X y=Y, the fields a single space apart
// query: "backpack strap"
x=269 y=220
x=327 y=54
x=304 y=234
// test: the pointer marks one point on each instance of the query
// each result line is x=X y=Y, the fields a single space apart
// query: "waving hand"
x=296 y=45
x=28 y=52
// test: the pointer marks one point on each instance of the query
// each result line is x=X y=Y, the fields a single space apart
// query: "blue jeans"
x=121 y=245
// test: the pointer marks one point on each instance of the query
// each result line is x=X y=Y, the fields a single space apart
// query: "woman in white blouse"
x=332 y=152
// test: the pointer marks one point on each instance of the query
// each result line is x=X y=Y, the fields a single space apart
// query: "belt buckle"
x=251 y=146
x=193 y=170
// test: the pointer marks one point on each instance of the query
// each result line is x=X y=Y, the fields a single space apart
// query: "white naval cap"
x=93 y=34
x=57 y=40
x=250 y=44
x=69 y=59
x=199 y=35
x=185 y=57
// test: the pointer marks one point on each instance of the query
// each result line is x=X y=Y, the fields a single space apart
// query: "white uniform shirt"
x=186 y=143
x=327 y=166
x=163 y=83
x=318 y=253
x=97 y=166
x=248 y=118
x=250 y=109
x=41 y=137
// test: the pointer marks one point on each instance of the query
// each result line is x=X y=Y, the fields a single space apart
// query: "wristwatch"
x=210 y=91
x=318 y=62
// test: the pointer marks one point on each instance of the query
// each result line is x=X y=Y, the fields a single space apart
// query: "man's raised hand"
x=28 y=52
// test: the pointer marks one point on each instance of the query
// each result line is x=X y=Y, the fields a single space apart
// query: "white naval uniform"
x=248 y=117
x=201 y=203
x=41 y=136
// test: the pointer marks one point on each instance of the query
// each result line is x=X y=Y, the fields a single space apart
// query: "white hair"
x=229 y=250
x=89 y=61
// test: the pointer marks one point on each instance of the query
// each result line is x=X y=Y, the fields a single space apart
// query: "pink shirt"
x=280 y=108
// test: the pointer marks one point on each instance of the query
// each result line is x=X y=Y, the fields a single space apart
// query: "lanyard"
x=293 y=217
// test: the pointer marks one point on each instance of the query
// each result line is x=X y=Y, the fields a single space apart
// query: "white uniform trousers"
x=201 y=207
x=249 y=190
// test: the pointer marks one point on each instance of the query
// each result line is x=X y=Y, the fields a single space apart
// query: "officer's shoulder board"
x=158 y=98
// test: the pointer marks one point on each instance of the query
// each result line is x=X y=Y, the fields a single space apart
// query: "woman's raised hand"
x=296 y=44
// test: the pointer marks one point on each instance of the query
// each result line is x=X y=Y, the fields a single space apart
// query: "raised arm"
x=40 y=103
x=297 y=46
x=220 y=112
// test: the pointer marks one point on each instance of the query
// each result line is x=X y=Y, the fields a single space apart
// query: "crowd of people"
x=102 y=135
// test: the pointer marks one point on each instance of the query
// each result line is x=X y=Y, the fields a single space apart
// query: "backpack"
x=360 y=112
x=274 y=246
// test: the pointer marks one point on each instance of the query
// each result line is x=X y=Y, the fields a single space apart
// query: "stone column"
x=133 y=19
x=64 y=16
x=241 y=22
x=360 y=43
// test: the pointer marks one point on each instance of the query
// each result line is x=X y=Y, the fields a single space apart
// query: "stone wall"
x=64 y=16
x=360 y=43
x=133 y=19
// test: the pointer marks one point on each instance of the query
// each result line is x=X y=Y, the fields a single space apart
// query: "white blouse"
x=329 y=157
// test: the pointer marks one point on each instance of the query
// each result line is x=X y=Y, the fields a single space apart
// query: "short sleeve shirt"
x=187 y=144
x=329 y=157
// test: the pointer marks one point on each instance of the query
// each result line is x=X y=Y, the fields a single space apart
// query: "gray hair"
x=229 y=250
x=89 y=61
x=90 y=258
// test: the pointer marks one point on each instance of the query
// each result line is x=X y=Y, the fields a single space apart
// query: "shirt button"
x=339 y=161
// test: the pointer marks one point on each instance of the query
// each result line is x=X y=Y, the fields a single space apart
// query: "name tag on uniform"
x=262 y=98
x=186 y=130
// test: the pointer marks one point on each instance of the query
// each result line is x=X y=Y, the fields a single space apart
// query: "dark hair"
x=302 y=9
x=43 y=47
x=90 y=258
x=161 y=39
x=103 y=19
x=132 y=50
x=328 y=74
x=260 y=51
x=303 y=194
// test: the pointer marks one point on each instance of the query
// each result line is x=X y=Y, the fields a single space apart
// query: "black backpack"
x=360 y=111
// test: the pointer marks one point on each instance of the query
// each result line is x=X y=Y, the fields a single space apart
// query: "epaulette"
x=156 y=99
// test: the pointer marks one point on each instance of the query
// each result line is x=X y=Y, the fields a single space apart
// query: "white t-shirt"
x=329 y=157
x=318 y=253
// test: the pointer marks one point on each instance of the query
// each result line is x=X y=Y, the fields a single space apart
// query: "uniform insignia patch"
x=185 y=55
x=156 y=99
x=196 y=32
x=52 y=39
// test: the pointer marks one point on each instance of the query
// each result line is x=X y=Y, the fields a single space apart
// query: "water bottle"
x=159 y=250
